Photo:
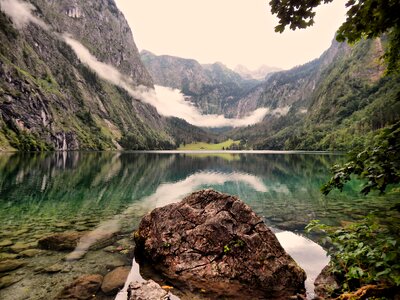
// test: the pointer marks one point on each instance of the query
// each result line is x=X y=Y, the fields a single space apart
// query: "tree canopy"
x=365 y=18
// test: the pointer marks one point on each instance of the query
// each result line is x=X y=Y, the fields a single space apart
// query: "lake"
x=102 y=194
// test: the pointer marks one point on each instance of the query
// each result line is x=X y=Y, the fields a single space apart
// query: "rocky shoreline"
x=206 y=246
x=35 y=264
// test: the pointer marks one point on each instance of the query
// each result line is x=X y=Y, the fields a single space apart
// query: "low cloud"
x=171 y=102
x=103 y=70
x=168 y=102
x=21 y=13
x=281 y=111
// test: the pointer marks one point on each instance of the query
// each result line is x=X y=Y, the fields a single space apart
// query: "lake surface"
x=106 y=193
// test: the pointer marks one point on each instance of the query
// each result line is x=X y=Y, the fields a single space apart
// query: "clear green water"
x=109 y=192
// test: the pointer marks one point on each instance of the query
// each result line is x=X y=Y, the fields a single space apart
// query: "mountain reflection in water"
x=101 y=193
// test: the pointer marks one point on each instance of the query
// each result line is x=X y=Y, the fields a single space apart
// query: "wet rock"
x=8 y=280
x=125 y=243
x=115 y=280
x=115 y=262
x=103 y=239
x=9 y=265
x=6 y=256
x=61 y=241
x=81 y=228
x=62 y=225
x=147 y=290
x=82 y=288
x=53 y=268
x=215 y=242
x=19 y=246
x=31 y=253
x=21 y=231
x=325 y=284
x=6 y=243
x=81 y=222
x=111 y=249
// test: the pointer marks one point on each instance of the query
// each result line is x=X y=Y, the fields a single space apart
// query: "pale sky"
x=230 y=31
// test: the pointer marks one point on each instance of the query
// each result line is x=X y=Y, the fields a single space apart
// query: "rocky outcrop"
x=101 y=25
x=215 y=242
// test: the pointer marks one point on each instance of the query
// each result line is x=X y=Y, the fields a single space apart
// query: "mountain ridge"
x=51 y=100
x=335 y=101
x=259 y=73
x=211 y=87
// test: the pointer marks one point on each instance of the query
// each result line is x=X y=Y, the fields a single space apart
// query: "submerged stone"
x=215 y=242
x=61 y=241
x=83 y=288
x=21 y=231
x=53 y=268
x=31 y=253
x=6 y=256
x=8 y=280
x=19 y=246
x=6 y=243
x=11 y=264
x=115 y=280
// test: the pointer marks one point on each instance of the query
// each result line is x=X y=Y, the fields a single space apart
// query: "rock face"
x=215 y=242
x=50 y=100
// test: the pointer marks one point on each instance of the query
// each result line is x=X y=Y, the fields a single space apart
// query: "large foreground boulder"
x=215 y=243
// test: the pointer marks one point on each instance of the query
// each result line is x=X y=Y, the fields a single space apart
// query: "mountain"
x=50 y=99
x=335 y=102
x=258 y=74
x=213 y=88
x=71 y=78
x=284 y=89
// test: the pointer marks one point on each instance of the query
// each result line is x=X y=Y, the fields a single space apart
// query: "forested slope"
x=335 y=103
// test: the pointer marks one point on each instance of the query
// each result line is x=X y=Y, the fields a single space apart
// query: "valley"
x=51 y=99
x=100 y=139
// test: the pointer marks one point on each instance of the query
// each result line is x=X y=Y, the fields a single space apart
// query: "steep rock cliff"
x=49 y=99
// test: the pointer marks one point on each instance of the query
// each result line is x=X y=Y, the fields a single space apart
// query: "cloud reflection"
x=309 y=255
x=166 y=193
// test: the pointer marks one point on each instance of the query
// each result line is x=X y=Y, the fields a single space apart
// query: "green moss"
x=234 y=244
